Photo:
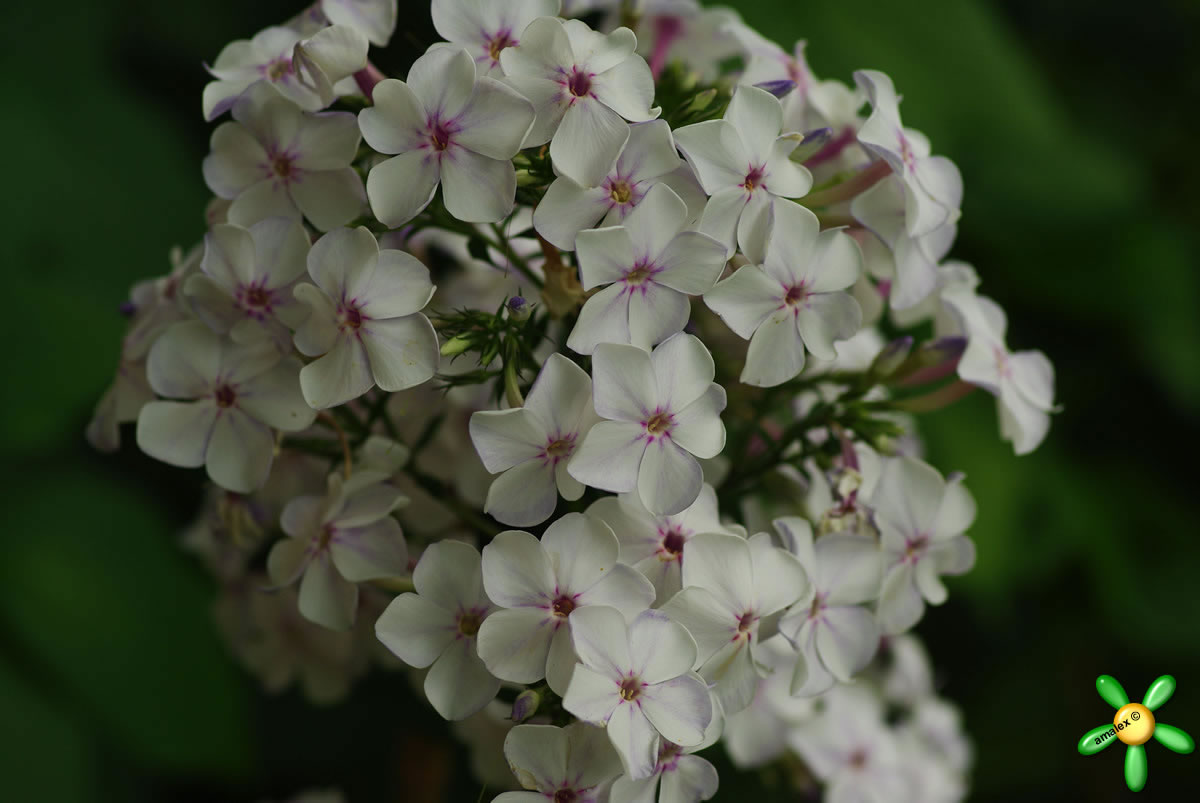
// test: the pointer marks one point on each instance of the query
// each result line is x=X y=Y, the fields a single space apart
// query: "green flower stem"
x=852 y=187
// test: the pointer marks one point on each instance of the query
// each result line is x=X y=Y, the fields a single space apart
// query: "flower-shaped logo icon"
x=1134 y=725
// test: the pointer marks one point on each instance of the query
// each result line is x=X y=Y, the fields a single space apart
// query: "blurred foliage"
x=1071 y=127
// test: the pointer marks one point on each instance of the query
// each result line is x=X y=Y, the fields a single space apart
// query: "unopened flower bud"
x=525 y=706
x=891 y=357
x=518 y=308
x=455 y=345
x=779 y=88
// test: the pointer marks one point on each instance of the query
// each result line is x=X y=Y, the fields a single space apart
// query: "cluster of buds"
x=555 y=373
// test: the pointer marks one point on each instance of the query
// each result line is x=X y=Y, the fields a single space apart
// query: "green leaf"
x=98 y=593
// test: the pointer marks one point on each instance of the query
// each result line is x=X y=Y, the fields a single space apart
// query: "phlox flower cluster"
x=575 y=372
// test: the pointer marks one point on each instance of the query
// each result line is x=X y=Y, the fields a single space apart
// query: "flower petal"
x=680 y=709
x=325 y=597
x=339 y=376
x=655 y=313
x=523 y=495
x=176 y=432
x=403 y=351
x=330 y=198
x=610 y=456
x=669 y=478
x=458 y=684
x=450 y=574
x=395 y=118
x=601 y=641
x=370 y=552
x=402 y=186
x=591 y=696
x=828 y=317
x=567 y=209
x=660 y=649
x=588 y=141
x=683 y=370
x=745 y=300
x=415 y=629
x=239 y=452
x=698 y=427
x=495 y=121
x=477 y=189
x=515 y=643
x=636 y=740
x=722 y=564
x=517 y=571
x=846 y=640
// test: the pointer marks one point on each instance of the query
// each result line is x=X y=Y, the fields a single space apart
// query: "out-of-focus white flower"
x=757 y=735
x=663 y=412
x=236 y=395
x=248 y=278
x=655 y=545
x=796 y=298
x=485 y=27
x=338 y=540
x=575 y=763
x=302 y=70
x=835 y=635
x=932 y=184
x=1022 y=381
x=447 y=127
x=374 y=19
x=584 y=85
x=276 y=160
x=436 y=628
x=531 y=445
x=540 y=584
x=850 y=749
x=729 y=585
x=921 y=518
x=651 y=266
x=648 y=158
x=365 y=320
x=742 y=162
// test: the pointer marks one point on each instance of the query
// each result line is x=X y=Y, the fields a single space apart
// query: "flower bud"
x=779 y=88
x=525 y=706
x=890 y=358
x=455 y=345
x=518 y=308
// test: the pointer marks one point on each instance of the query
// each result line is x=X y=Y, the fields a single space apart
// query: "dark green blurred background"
x=1074 y=125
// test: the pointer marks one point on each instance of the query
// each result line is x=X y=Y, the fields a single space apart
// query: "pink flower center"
x=439 y=136
x=579 y=83
x=755 y=178
x=351 y=317
x=225 y=396
x=818 y=605
x=562 y=606
x=278 y=68
x=281 y=165
x=469 y=622
x=566 y=796
x=631 y=688
x=499 y=41
x=914 y=548
x=621 y=193
x=857 y=759
x=796 y=295
x=673 y=542
x=659 y=424
x=257 y=296
x=559 y=448
x=639 y=275
x=746 y=621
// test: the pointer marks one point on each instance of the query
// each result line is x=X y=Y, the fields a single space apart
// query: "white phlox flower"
x=228 y=399
x=374 y=19
x=650 y=266
x=530 y=445
x=795 y=299
x=447 y=127
x=584 y=85
x=366 y=320
x=436 y=628
x=757 y=735
x=655 y=545
x=248 y=277
x=730 y=585
x=932 y=184
x=575 y=764
x=835 y=634
x=850 y=749
x=302 y=70
x=813 y=103
x=881 y=209
x=540 y=585
x=485 y=27
x=337 y=540
x=637 y=680
x=649 y=157
x=663 y=412
x=921 y=518
x=274 y=159
x=742 y=162
x=1022 y=381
